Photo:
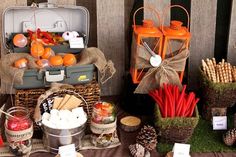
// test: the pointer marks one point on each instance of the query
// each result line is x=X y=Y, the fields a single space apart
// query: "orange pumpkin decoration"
x=37 y=49
x=43 y=63
x=56 y=60
x=69 y=59
x=48 y=52
x=21 y=63
x=20 y=40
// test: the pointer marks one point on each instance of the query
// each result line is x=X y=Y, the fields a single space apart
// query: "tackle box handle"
x=55 y=77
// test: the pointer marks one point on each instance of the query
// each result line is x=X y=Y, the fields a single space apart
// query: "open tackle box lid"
x=46 y=17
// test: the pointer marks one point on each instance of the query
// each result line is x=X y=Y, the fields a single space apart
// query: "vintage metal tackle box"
x=51 y=18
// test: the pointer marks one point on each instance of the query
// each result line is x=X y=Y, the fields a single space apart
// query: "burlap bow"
x=165 y=73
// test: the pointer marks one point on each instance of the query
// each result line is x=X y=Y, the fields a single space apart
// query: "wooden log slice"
x=130 y=123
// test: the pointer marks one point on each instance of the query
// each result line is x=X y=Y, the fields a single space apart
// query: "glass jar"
x=103 y=113
x=19 y=131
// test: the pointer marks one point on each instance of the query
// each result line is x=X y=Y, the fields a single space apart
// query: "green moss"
x=220 y=87
x=177 y=121
x=204 y=139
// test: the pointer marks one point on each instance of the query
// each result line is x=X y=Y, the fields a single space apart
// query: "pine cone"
x=137 y=150
x=147 y=137
x=230 y=137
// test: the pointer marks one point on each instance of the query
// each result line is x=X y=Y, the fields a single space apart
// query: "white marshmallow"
x=67 y=35
x=49 y=124
x=79 y=111
x=54 y=112
x=64 y=114
x=75 y=34
x=65 y=119
x=46 y=116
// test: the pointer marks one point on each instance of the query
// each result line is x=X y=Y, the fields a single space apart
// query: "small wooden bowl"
x=130 y=123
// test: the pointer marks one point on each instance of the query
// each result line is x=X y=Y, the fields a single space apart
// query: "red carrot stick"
x=158 y=101
x=177 y=92
x=160 y=92
x=156 y=97
x=156 y=92
x=193 y=107
x=166 y=99
x=190 y=99
x=184 y=102
x=179 y=104
x=165 y=108
x=171 y=100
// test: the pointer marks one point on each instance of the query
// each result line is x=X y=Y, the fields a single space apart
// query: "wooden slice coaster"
x=130 y=123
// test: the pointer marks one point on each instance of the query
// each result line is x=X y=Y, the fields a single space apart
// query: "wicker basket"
x=178 y=129
x=217 y=94
x=28 y=98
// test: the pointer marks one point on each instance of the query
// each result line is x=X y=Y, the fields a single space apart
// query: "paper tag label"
x=76 y=42
x=67 y=151
x=181 y=150
x=220 y=123
x=18 y=136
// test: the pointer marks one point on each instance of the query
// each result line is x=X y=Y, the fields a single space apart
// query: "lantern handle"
x=149 y=8
x=176 y=6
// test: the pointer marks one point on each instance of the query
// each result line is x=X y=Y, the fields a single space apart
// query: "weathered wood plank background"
x=159 y=5
x=111 y=40
x=203 y=24
x=231 y=57
x=110 y=26
x=92 y=7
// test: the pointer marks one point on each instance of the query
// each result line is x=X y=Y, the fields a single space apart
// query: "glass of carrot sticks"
x=173 y=102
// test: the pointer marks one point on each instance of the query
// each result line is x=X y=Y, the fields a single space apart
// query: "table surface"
x=122 y=150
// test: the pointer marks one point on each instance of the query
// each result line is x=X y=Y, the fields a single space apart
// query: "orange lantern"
x=146 y=33
x=176 y=37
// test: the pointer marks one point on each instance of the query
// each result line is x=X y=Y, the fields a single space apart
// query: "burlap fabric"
x=9 y=74
x=95 y=56
x=165 y=73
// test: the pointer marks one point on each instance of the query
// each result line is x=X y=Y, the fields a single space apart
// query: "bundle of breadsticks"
x=222 y=72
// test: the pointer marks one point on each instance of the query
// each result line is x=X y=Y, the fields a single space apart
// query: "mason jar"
x=19 y=131
x=103 y=113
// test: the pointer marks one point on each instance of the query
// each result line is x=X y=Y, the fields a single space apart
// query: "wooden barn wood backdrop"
x=110 y=24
